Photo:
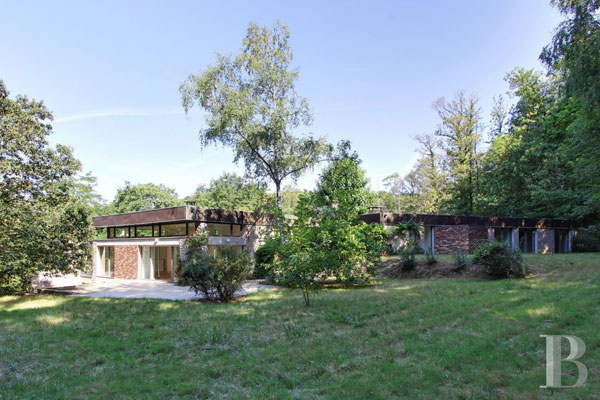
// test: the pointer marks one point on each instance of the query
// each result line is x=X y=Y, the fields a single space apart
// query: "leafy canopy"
x=44 y=227
x=143 y=196
x=231 y=192
x=252 y=106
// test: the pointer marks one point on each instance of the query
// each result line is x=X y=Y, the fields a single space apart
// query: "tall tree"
x=252 y=106
x=394 y=185
x=460 y=131
x=143 y=197
x=43 y=227
x=575 y=54
x=422 y=190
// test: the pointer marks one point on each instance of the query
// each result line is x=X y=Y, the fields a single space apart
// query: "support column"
x=491 y=234
x=515 y=238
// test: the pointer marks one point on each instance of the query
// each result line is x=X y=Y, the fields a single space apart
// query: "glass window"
x=172 y=230
x=121 y=232
x=107 y=255
x=144 y=231
x=237 y=230
x=191 y=227
x=219 y=229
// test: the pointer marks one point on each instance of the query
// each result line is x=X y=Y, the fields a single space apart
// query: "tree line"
x=229 y=191
x=540 y=157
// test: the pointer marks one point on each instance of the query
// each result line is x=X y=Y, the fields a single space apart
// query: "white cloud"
x=123 y=112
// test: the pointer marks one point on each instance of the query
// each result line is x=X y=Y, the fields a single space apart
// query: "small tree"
x=252 y=106
x=328 y=239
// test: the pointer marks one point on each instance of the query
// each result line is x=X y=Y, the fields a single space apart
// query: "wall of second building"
x=449 y=239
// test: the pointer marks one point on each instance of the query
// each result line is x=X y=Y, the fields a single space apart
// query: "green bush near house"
x=264 y=258
x=430 y=258
x=461 y=260
x=500 y=260
x=587 y=241
x=218 y=275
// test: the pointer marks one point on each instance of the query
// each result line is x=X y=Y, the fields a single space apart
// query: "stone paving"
x=140 y=289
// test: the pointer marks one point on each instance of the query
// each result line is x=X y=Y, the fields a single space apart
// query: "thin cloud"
x=117 y=113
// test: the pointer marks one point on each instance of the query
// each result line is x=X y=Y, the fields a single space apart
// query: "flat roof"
x=187 y=213
x=491 y=222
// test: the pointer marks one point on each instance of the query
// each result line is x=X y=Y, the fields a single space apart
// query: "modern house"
x=149 y=244
x=447 y=234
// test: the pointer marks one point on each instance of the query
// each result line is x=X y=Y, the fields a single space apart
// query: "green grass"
x=423 y=338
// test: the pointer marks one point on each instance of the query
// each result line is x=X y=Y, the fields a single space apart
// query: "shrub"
x=586 y=242
x=264 y=258
x=407 y=255
x=430 y=258
x=461 y=260
x=500 y=260
x=217 y=276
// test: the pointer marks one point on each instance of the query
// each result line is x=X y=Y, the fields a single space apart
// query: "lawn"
x=420 y=338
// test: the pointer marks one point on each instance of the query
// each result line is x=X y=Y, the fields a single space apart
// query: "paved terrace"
x=139 y=289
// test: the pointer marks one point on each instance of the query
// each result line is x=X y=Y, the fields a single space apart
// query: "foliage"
x=217 y=276
x=500 y=260
x=461 y=260
x=143 y=196
x=430 y=258
x=587 y=240
x=327 y=239
x=264 y=258
x=84 y=192
x=422 y=190
x=252 y=106
x=406 y=229
x=407 y=255
x=231 y=192
x=44 y=226
x=459 y=131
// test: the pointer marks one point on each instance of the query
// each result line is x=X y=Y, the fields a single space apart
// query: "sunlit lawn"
x=427 y=338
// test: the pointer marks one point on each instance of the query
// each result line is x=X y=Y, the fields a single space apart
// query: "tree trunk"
x=279 y=211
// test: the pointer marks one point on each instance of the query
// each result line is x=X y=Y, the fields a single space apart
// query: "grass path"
x=422 y=338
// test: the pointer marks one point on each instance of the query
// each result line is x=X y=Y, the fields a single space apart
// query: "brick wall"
x=126 y=262
x=545 y=241
x=450 y=239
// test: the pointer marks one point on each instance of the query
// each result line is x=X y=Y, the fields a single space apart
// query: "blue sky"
x=110 y=72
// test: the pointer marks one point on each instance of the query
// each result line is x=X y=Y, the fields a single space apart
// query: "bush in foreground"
x=461 y=260
x=500 y=260
x=217 y=276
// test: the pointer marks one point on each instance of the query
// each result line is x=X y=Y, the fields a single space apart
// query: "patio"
x=151 y=289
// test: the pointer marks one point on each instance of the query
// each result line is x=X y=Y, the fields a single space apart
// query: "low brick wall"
x=126 y=262
x=450 y=239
